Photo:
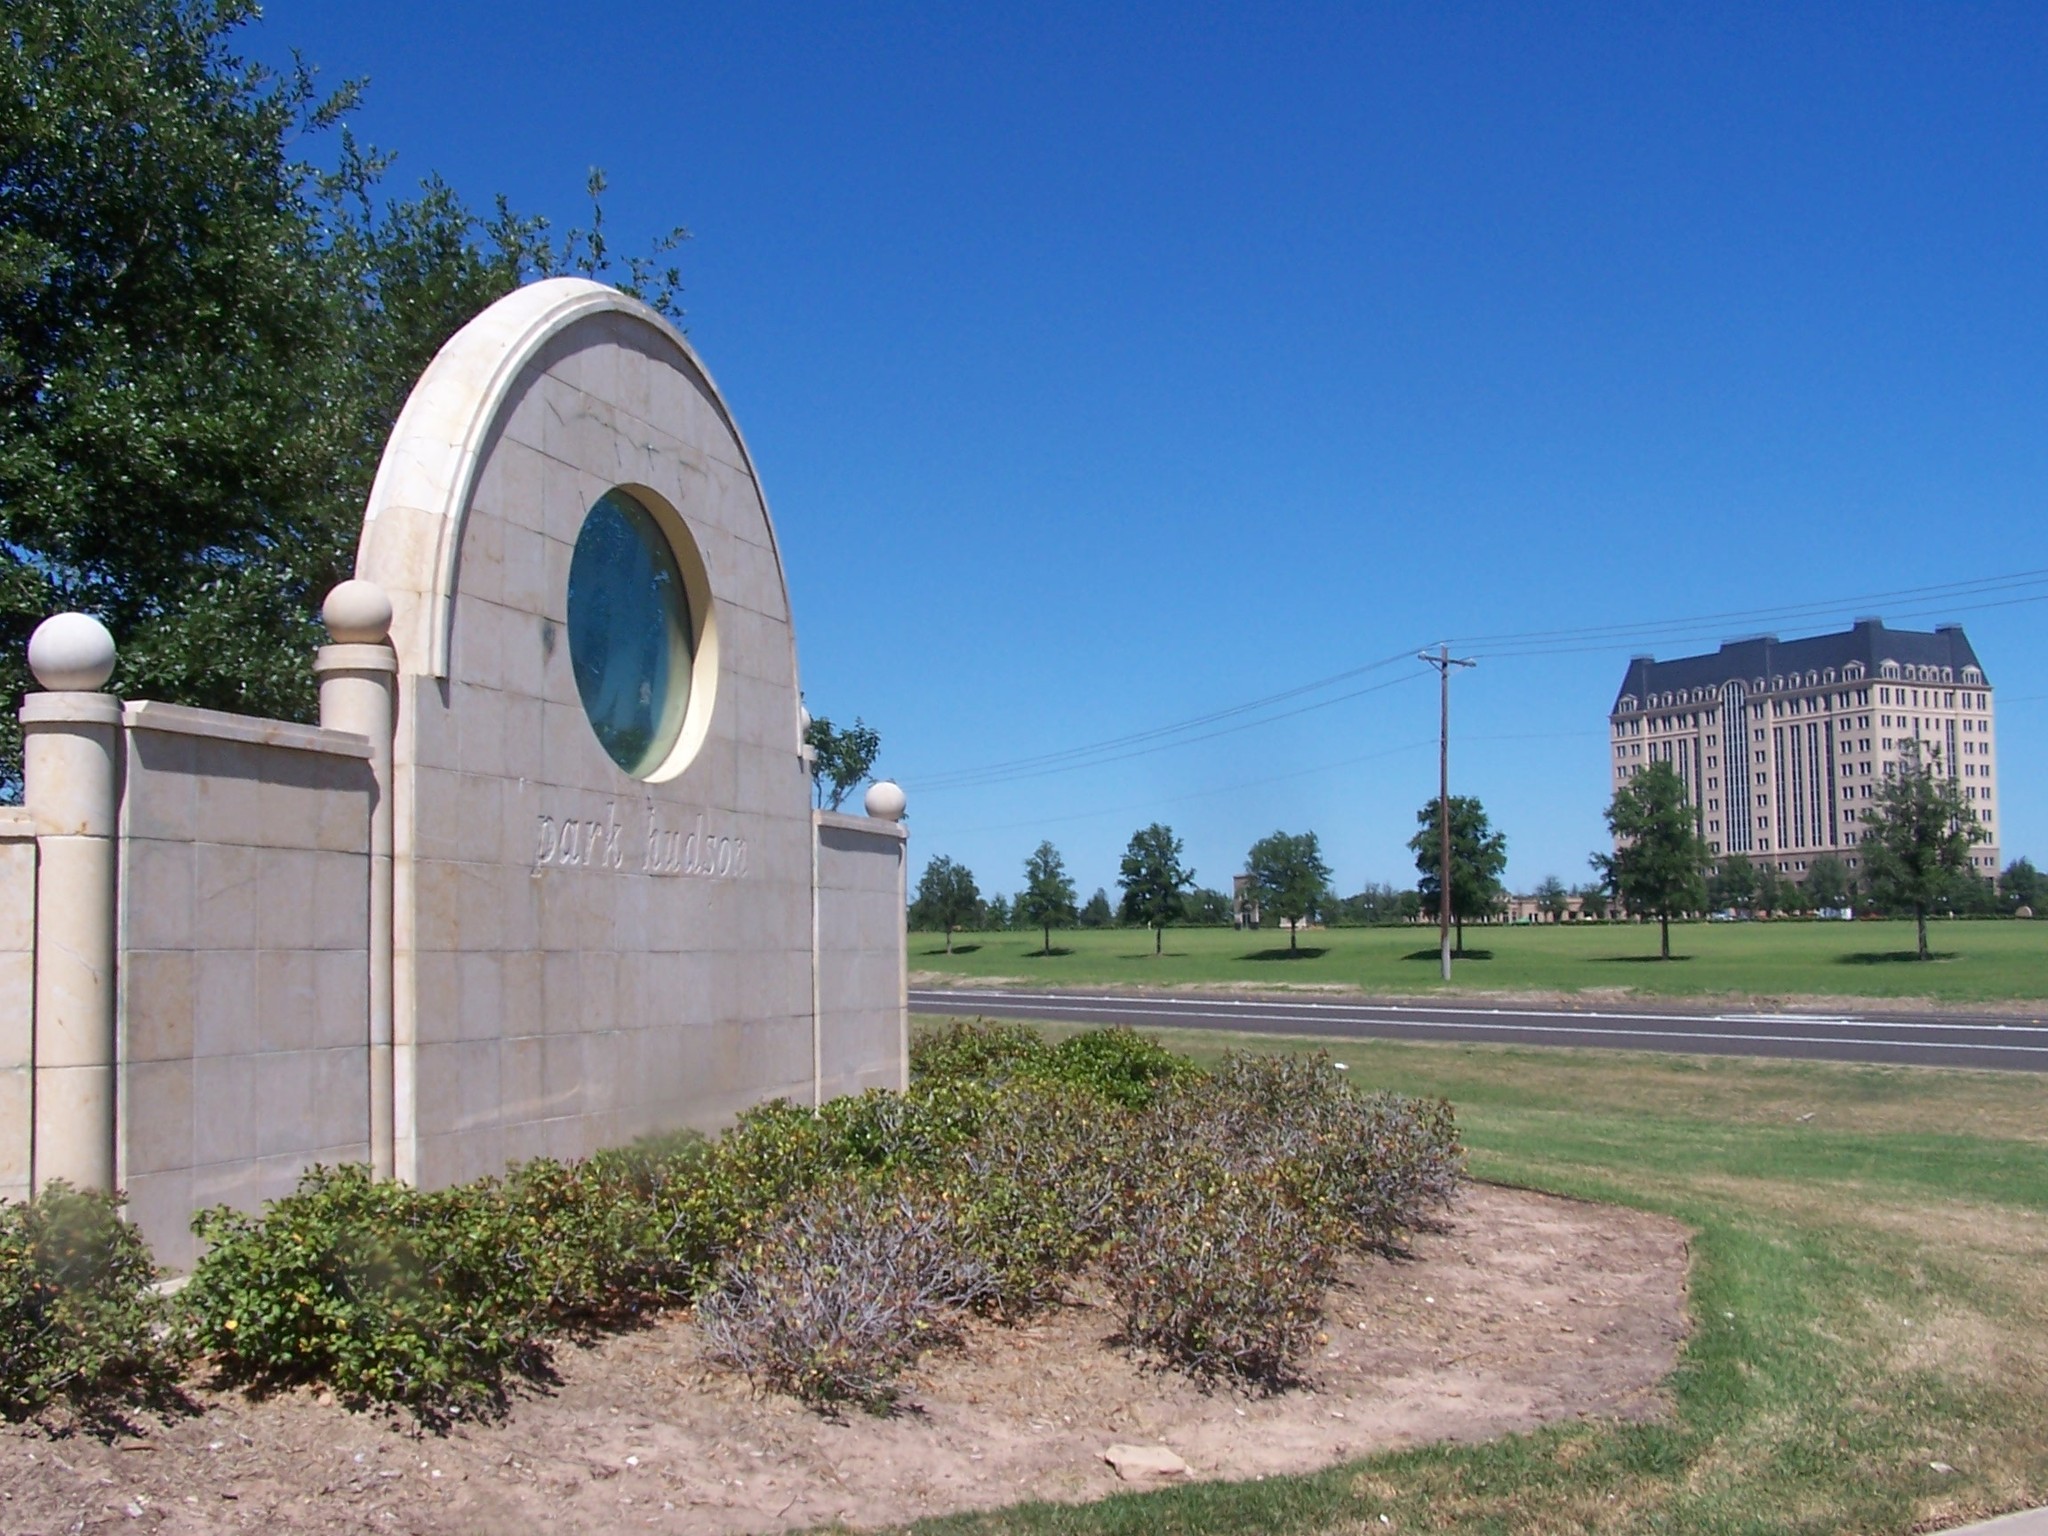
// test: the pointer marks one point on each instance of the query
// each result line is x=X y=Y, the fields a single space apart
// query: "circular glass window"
x=630 y=638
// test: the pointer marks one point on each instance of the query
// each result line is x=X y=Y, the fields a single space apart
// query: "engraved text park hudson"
x=608 y=843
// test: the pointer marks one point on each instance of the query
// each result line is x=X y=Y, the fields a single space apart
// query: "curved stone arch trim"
x=428 y=472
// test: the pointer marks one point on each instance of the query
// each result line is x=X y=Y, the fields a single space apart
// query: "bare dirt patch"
x=1528 y=1310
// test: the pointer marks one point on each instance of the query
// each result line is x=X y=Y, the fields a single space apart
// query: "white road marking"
x=1464 y=1019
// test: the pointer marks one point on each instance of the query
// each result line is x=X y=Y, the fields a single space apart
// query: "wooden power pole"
x=1443 y=661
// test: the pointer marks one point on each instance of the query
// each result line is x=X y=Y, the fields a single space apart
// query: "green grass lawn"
x=1869 y=1296
x=1975 y=962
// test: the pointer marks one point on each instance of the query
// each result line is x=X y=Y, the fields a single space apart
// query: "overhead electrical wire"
x=1973 y=595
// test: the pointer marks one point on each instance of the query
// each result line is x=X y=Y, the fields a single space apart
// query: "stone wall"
x=861 y=1000
x=17 y=997
x=243 y=973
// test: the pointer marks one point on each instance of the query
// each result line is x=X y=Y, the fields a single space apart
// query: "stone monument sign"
x=547 y=875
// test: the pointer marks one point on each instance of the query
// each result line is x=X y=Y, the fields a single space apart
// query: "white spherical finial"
x=71 y=653
x=803 y=718
x=885 y=800
x=357 y=613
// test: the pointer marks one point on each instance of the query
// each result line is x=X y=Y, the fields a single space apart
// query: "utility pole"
x=1443 y=661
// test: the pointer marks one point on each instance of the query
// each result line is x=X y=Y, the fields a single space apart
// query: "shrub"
x=840 y=1293
x=779 y=1151
x=885 y=1131
x=1118 y=1065
x=614 y=1236
x=1220 y=1271
x=385 y=1293
x=1372 y=1163
x=1038 y=1192
x=80 y=1321
x=985 y=1051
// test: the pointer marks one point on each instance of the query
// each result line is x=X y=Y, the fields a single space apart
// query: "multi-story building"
x=1783 y=742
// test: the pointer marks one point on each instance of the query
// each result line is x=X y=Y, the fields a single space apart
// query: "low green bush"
x=1375 y=1164
x=1039 y=1191
x=81 y=1324
x=1219 y=1271
x=837 y=1244
x=383 y=1292
x=987 y=1051
x=1117 y=1065
x=842 y=1291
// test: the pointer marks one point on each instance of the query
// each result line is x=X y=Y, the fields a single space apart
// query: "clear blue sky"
x=1107 y=367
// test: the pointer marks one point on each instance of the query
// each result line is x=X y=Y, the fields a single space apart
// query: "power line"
x=1918 y=601
x=983 y=779
x=946 y=780
x=1143 y=807
x=1782 y=613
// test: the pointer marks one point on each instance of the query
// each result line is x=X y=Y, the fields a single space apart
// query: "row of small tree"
x=1915 y=856
x=1289 y=881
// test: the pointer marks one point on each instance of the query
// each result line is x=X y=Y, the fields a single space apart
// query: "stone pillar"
x=71 y=785
x=885 y=802
x=358 y=677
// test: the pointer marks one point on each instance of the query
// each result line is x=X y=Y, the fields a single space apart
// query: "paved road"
x=2018 y=1043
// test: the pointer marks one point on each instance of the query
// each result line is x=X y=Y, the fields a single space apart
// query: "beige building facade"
x=1782 y=744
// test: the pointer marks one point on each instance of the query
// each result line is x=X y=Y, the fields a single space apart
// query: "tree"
x=840 y=760
x=1592 y=900
x=1554 y=900
x=1917 y=837
x=1659 y=864
x=1769 y=894
x=997 y=913
x=946 y=898
x=1829 y=885
x=204 y=342
x=1479 y=855
x=2022 y=886
x=1206 y=907
x=1152 y=879
x=1098 y=913
x=1734 y=883
x=1048 y=894
x=1290 y=878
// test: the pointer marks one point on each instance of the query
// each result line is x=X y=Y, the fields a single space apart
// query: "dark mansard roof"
x=1768 y=657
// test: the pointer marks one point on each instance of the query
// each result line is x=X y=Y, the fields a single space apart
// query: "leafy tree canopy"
x=1659 y=864
x=841 y=759
x=947 y=898
x=1152 y=878
x=1047 y=899
x=1098 y=913
x=204 y=341
x=1733 y=883
x=2022 y=885
x=1290 y=877
x=1479 y=857
x=1829 y=884
x=1917 y=837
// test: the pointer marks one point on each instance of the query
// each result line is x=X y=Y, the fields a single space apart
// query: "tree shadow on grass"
x=1893 y=956
x=1638 y=959
x=1046 y=954
x=1285 y=954
x=1456 y=954
x=957 y=949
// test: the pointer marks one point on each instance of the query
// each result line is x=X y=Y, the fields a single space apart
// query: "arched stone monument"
x=558 y=811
